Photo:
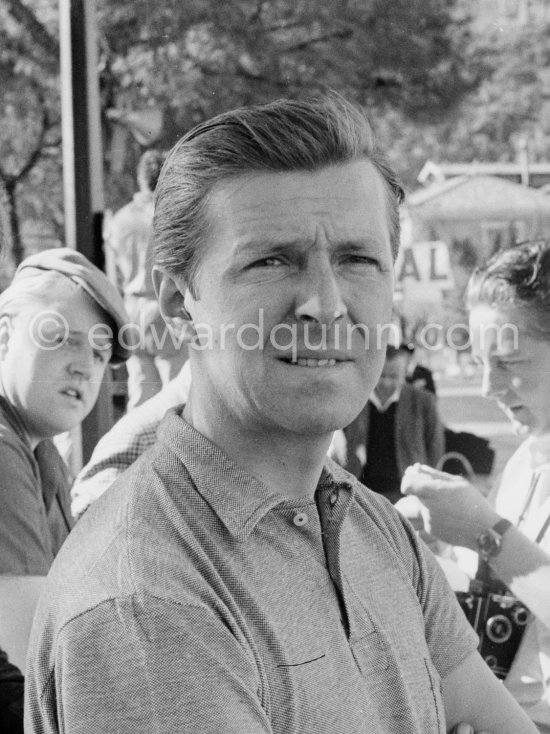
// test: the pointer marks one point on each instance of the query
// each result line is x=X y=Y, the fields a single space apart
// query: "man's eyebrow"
x=261 y=244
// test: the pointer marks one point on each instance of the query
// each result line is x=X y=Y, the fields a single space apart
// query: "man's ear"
x=5 y=333
x=172 y=294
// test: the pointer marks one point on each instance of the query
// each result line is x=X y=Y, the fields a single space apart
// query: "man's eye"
x=267 y=262
x=356 y=259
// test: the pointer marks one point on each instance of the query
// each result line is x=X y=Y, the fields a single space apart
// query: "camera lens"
x=520 y=615
x=499 y=629
x=491 y=661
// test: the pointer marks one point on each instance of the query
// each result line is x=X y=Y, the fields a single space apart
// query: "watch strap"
x=490 y=540
x=502 y=526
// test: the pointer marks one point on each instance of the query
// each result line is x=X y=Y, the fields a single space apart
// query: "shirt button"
x=300 y=519
x=333 y=499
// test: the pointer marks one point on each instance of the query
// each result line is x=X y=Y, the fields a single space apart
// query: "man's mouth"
x=516 y=413
x=72 y=392
x=310 y=359
x=307 y=362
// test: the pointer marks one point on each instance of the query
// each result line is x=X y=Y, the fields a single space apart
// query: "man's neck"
x=288 y=463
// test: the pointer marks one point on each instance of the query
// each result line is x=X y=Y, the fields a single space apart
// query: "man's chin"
x=321 y=425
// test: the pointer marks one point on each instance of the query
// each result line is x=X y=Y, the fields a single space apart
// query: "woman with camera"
x=509 y=303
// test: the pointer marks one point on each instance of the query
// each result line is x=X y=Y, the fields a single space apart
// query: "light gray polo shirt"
x=190 y=598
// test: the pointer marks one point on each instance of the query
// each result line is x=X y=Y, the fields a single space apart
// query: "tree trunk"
x=10 y=210
x=6 y=238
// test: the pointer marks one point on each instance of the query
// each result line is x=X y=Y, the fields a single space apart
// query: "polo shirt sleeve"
x=147 y=665
x=449 y=636
x=25 y=546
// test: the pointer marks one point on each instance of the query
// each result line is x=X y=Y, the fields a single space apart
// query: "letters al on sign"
x=423 y=270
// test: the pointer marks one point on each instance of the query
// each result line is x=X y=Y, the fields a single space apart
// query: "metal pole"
x=83 y=165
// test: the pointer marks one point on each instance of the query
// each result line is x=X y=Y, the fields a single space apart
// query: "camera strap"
x=535 y=478
x=542 y=531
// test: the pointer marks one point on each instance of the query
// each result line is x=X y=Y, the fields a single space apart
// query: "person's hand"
x=450 y=507
x=464 y=728
x=415 y=512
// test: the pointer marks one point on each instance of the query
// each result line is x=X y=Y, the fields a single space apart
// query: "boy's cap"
x=80 y=270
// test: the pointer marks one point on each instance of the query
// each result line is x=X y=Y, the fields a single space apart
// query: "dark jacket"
x=418 y=433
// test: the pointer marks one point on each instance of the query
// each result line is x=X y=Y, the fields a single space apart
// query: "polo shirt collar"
x=239 y=500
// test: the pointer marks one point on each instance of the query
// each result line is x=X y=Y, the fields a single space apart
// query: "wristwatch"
x=490 y=540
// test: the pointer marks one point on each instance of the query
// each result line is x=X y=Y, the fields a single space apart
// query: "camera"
x=499 y=621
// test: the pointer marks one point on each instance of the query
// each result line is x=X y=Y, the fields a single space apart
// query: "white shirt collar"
x=381 y=408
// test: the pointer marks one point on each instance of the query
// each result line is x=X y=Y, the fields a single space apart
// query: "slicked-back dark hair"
x=282 y=136
x=518 y=278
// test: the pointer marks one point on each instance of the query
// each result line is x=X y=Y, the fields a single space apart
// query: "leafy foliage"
x=29 y=124
x=433 y=83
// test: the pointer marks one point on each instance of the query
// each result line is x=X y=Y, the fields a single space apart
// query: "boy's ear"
x=172 y=295
x=5 y=333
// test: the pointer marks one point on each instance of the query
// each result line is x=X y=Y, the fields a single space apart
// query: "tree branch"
x=16 y=48
x=257 y=12
x=284 y=25
x=35 y=155
x=37 y=152
x=347 y=33
x=39 y=34
x=256 y=78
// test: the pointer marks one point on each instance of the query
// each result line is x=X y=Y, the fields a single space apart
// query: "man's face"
x=50 y=371
x=516 y=365
x=292 y=262
x=392 y=377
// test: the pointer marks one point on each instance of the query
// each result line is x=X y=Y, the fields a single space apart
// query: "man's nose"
x=494 y=383
x=320 y=298
x=82 y=363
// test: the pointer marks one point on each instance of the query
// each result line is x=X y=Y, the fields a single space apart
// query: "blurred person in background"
x=417 y=374
x=124 y=443
x=50 y=376
x=399 y=425
x=58 y=319
x=509 y=302
x=157 y=359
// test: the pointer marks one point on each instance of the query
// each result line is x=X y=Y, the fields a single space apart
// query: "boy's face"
x=392 y=377
x=50 y=368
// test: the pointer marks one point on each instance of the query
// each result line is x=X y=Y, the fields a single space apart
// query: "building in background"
x=448 y=228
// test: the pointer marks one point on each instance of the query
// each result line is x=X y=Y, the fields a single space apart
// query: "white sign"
x=423 y=271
